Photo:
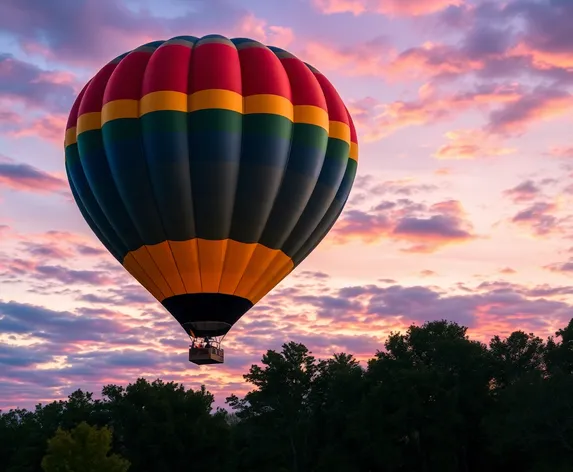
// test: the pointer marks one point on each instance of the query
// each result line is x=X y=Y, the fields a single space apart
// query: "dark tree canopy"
x=430 y=400
x=83 y=449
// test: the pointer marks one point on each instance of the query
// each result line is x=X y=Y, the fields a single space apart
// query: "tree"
x=162 y=426
x=83 y=449
x=276 y=414
x=426 y=394
x=559 y=355
x=519 y=355
x=336 y=397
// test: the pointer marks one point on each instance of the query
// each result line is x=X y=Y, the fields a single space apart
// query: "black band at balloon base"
x=207 y=314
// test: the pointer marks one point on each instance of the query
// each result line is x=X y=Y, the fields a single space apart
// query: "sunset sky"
x=460 y=210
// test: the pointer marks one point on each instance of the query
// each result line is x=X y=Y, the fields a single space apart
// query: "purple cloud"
x=50 y=90
x=96 y=31
x=24 y=177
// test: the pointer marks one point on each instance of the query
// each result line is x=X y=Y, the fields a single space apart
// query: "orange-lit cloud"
x=471 y=144
x=544 y=59
x=378 y=120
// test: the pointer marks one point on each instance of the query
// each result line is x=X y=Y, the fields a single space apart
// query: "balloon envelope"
x=209 y=168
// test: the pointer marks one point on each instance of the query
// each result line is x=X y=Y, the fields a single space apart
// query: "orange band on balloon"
x=247 y=270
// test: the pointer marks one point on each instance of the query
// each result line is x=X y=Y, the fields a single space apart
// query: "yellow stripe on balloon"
x=119 y=109
x=339 y=130
x=269 y=104
x=88 y=122
x=207 y=100
x=311 y=115
x=163 y=101
x=71 y=137
x=353 y=151
x=216 y=98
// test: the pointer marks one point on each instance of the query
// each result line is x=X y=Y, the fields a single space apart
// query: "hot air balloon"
x=209 y=168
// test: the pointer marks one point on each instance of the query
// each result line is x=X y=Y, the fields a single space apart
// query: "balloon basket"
x=207 y=350
x=206 y=355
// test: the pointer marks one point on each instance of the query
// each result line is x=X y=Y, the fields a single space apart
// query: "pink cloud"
x=543 y=206
x=402 y=187
x=59 y=245
x=423 y=228
x=57 y=77
x=329 y=7
x=490 y=47
x=45 y=264
x=386 y=7
x=378 y=120
x=447 y=225
x=48 y=128
x=368 y=58
x=540 y=218
x=561 y=151
x=256 y=28
x=538 y=105
x=561 y=267
x=431 y=59
x=511 y=111
x=9 y=118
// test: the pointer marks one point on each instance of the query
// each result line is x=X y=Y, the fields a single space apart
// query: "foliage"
x=431 y=400
x=83 y=449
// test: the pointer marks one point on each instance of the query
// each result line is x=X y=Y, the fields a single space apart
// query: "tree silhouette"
x=83 y=449
x=430 y=400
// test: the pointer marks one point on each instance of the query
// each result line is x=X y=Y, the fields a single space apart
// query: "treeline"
x=431 y=400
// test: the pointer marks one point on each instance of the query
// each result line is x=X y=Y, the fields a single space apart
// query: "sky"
x=461 y=209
